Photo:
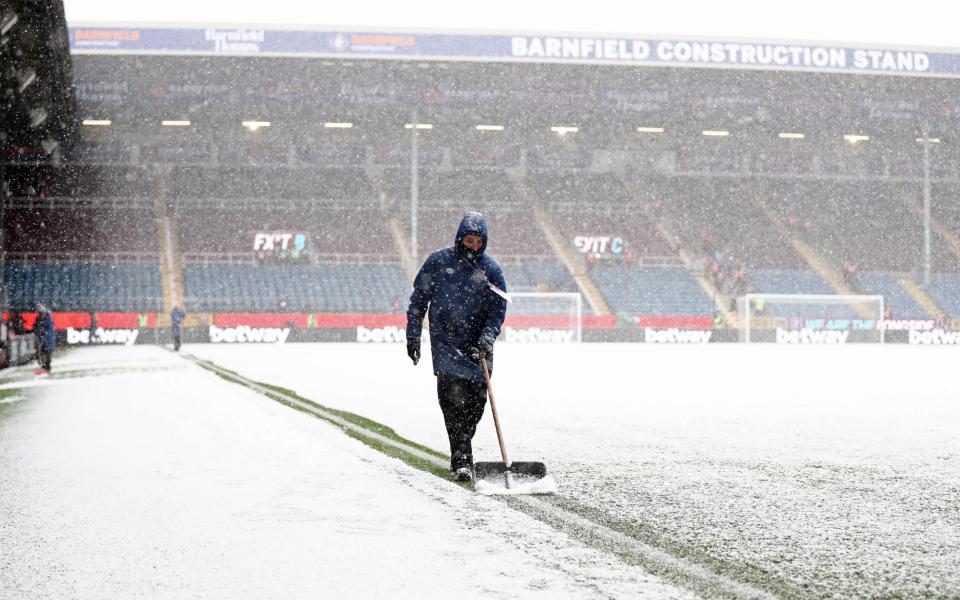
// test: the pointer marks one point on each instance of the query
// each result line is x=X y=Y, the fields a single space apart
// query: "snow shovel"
x=509 y=477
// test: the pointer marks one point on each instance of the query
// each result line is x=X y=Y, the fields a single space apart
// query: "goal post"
x=544 y=317
x=811 y=318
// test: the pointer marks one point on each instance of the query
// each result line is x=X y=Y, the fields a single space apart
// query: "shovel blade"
x=498 y=473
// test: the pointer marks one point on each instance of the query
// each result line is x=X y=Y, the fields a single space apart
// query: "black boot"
x=464 y=474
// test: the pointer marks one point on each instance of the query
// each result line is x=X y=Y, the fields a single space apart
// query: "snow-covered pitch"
x=717 y=471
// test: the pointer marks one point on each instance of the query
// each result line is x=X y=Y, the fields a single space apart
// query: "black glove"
x=413 y=349
x=483 y=349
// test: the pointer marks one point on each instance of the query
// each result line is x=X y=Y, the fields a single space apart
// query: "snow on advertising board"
x=106 y=39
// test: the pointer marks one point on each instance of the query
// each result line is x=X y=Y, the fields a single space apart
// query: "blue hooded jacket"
x=176 y=317
x=453 y=282
x=44 y=330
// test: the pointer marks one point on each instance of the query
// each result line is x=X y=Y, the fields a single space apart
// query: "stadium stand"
x=944 y=288
x=65 y=227
x=218 y=228
x=269 y=183
x=546 y=275
x=88 y=287
x=652 y=291
x=599 y=205
x=710 y=215
x=446 y=195
x=901 y=305
x=221 y=183
x=780 y=281
x=284 y=288
x=863 y=223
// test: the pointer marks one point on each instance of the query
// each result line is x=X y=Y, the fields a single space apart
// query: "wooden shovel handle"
x=493 y=410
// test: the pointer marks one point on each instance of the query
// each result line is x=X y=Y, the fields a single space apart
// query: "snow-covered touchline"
x=540 y=509
x=319 y=411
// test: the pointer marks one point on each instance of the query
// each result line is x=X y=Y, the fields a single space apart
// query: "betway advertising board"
x=100 y=335
x=87 y=329
x=676 y=330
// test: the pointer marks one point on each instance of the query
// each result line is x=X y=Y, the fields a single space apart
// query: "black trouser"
x=43 y=357
x=176 y=341
x=462 y=402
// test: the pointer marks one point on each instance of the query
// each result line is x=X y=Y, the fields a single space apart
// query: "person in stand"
x=176 y=319
x=46 y=339
x=456 y=285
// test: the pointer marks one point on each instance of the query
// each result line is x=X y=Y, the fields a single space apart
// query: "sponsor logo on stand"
x=599 y=244
x=675 y=335
x=127 y=337
x=248 y=335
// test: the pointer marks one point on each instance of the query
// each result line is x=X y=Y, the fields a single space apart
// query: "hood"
x=473 y=223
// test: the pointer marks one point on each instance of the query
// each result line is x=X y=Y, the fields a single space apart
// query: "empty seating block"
x=901 y=304
x=538 y=276
x=864 y=223
x=330 y=231
x=84 y=287
x=513 y=232
x=652 y=291
x=773 y=281
x=324 y=288
x=778 y=281
x=80 y=229
x=271 y=182
x=720 y=212
x=944 y=288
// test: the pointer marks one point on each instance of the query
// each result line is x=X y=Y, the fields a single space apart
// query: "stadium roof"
x=509 y=47
x=917 y=24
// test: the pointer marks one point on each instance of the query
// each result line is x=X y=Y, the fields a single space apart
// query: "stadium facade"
x=292 y=180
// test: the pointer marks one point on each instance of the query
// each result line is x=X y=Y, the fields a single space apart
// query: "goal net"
x=544 y=317
x=810 y=319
